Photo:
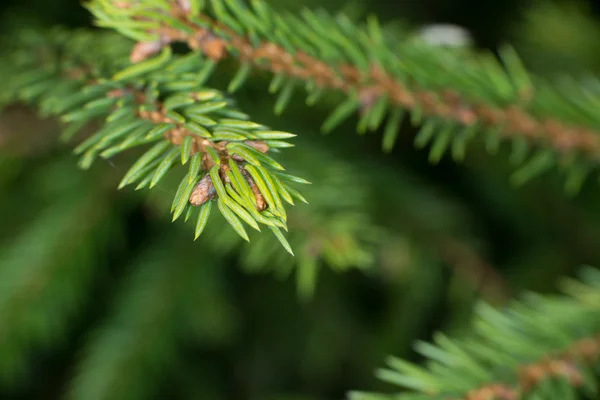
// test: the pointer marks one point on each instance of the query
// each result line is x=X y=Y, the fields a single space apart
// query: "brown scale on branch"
x=449 y=105
x=204 y=190
x=261 y=203
x=564 y=365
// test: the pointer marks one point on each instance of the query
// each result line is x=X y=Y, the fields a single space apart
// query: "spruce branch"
x=539 y=347
x=459 y=93
x=161 y=102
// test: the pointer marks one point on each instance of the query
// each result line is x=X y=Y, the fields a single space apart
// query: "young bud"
x=203 y=192
x=223 y=173
x=261 y=203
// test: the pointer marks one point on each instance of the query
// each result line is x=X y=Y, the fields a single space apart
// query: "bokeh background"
x=101 y=297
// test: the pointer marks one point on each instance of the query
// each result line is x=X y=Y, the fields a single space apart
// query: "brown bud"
x=203 y=192
x=260 y=146
x=261 y=203
x=143 y=50
x=223 y=173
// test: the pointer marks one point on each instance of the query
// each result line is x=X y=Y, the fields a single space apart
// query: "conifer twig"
x=157 y=103
x=536 y=347
x=215 y=38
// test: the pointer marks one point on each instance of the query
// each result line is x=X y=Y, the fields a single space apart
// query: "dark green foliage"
x=48 y=268
x=160 y=312
x=102 y=297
